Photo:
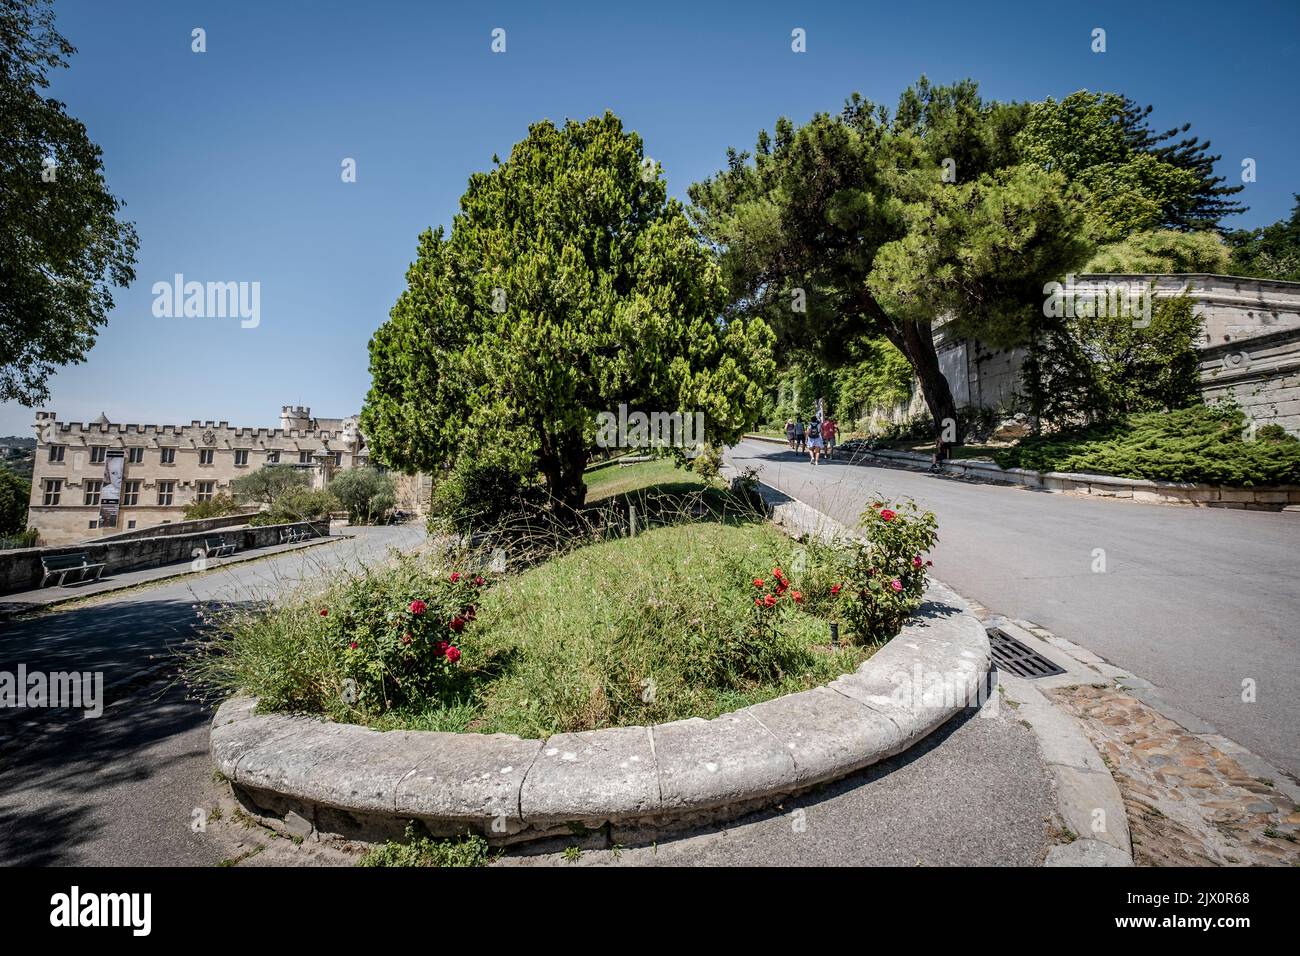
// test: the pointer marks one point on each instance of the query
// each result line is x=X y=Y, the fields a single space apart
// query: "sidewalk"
x=39 y=599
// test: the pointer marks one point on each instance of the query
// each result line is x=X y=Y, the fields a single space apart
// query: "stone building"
x=1250 y=350
x=166 y=467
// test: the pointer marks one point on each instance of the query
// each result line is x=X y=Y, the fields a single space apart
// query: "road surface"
x=1204 y=603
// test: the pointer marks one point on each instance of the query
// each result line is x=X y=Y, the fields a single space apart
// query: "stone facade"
x=167 y=467
x=1250 y=348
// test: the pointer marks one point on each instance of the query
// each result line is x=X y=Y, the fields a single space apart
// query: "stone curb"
x=1273 y=498
x=354 y=782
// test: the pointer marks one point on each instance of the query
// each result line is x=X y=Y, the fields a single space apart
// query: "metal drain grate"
x=1018 y=659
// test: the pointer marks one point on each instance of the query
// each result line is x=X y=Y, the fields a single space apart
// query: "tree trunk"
x=916 y=341
x=563 y=459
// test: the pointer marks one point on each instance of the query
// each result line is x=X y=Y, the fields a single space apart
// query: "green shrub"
x=480 y=492
x=1206 y=444
x=365 y=493
x=215 y=507
x=418 y=850
x=297 y=504
x=15 y=494
x=884 y=576
x=708 y=463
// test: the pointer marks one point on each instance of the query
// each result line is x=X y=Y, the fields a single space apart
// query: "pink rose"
x=896 y=584
x=417 y=606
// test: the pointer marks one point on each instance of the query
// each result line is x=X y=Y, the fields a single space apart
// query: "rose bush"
x=884 y=574
x=402 y=642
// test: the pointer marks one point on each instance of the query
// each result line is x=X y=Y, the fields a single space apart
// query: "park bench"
x=294 y=535
x=217 y=547
x=79 y=566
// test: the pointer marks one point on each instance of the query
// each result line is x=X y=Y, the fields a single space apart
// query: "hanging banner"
x=110 y=493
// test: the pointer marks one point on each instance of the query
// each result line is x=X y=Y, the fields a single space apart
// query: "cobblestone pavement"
x=1189 y=803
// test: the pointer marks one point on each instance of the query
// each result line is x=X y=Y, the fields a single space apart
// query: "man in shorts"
x=798 y=435
x=830 y=431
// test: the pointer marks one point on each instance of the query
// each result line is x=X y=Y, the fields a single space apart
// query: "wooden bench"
x=62 y=565
x=217 y=547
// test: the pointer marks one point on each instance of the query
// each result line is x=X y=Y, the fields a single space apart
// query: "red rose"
x=455 y=576
x=352 y=646
x=887 y=515
x=758 y=602
x=929 y=563
x=406 y=638
x=783 y=586
x=440 y=648
x=758 y=582
x=453 y=654
x=776 y=573
x=797 y=597
x=417 y=606
x=836 y=588
x=457 y=624
x=770 y=600
x=916 y=562
x=480 y=581
x=324 y=612
x=896 y=584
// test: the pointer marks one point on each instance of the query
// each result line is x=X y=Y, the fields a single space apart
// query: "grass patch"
x=417 y=850
x=610 y=630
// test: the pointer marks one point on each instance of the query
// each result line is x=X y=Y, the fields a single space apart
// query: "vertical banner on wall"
x=110 y=494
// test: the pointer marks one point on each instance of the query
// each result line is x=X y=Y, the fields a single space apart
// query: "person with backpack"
x=814 y=441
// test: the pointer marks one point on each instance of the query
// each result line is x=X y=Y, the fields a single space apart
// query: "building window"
x=165 y=491
x=134 y=456
x=304 y=458
x=204 y=492
x=166 y=456
x=52 y=488
x=94 y=522
x=56 y=452
x=273 y=457
x=92 y=489
x=130 y=524
x=338 y=459
x=97 y=454
x=241 y=458
x=130 y=493
x=205 y=456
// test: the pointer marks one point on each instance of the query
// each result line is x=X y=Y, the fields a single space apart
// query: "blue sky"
x=230 y=160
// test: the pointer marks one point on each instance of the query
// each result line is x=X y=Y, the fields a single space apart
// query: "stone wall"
x=20 y=570
x=1261 y=374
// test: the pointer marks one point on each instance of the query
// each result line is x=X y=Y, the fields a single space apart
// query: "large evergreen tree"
x=865 y=224
x=569 y=283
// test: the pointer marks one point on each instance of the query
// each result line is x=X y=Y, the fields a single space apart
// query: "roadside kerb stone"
x=631 y=777
x=1140 y=490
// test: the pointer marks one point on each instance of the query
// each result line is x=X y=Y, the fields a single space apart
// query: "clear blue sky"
x=229 y=160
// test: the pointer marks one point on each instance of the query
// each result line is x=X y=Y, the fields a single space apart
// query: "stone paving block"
x=829 y=735
x=708 y=763
x=592 y=774
x=471 y=777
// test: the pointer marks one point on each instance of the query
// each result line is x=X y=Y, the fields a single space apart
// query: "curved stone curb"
x=355 y=782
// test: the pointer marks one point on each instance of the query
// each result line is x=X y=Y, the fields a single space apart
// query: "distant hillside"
x=17 y=441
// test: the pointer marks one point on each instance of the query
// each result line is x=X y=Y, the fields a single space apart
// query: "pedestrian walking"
x=798 y=435
x=814 y=441
x=830 y=431
x=789 y=433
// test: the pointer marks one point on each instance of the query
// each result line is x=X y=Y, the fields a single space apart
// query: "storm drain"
x=1016 y=658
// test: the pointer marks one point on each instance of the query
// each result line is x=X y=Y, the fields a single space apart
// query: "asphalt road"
x=121 y=789
x=1204 y=603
